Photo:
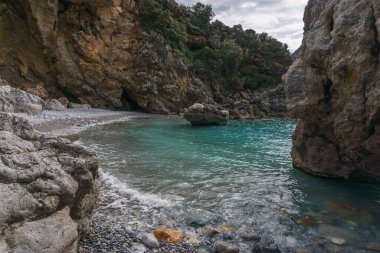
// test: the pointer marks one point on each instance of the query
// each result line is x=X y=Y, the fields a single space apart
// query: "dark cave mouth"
x=129 y=103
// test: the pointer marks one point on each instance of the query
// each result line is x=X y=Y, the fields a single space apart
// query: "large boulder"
x=48 y=187
x=16 y=100
x=333 y=88
x=199 y=114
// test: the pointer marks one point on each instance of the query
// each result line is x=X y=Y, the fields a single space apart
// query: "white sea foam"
x=125 y=192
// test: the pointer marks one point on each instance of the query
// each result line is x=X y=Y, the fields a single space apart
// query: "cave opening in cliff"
x=129 y=103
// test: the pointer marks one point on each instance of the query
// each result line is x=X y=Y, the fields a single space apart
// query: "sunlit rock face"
x=93 y=52
x=333 y=88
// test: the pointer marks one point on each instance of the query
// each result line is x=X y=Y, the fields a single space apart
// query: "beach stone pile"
x=48 y=188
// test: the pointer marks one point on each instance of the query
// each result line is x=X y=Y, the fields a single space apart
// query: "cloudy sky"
x=281 y=19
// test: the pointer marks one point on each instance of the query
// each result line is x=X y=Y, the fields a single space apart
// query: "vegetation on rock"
x=235 y=57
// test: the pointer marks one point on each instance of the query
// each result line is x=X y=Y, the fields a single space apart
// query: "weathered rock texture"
x=93 y=52
x=16 y=100
x=96 y=52
x=201 y=115
x=333 y=88
x=47 y=189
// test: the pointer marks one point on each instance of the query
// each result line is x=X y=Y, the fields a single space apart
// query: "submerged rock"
x=168 y=235
x=333 y=90
x=199 y=114
x=210 y=231
x=150 y=241
x=48 y=187
x=224 y=247
x=349 y=212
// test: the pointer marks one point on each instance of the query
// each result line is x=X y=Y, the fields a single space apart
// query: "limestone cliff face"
x=48 y=188
x=96 y=52
x=333 y=88
x=91 y=51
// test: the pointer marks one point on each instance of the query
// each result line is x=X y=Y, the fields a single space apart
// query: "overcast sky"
x=281 y=19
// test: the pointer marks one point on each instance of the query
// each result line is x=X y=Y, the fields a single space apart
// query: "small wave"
x=121 y=189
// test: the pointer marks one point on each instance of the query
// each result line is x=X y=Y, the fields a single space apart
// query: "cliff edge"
x=333 y=88
x=48 y=188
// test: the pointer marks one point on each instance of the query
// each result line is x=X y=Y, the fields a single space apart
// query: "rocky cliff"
x=48 y=187
x=117 y=54
x=333 y=88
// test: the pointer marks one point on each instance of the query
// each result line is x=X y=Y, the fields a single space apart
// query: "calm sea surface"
x=163 y=172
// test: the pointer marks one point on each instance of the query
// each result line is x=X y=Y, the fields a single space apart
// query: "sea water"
x=162 y=172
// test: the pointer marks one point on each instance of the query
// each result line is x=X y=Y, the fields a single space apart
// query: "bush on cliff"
x=232 y=56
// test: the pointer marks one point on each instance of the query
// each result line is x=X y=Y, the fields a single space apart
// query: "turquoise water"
x=163 y=172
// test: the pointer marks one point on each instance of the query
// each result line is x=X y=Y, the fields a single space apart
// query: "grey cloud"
x=281 y=19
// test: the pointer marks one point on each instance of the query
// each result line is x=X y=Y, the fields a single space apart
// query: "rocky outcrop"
x=48 y=187
x=202 y=115
x=16 y=100
x=93 y=52
x=98 y=53
x=269 y=103
x=333 y=88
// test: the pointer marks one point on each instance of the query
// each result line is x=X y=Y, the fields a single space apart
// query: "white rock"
x=150 y=241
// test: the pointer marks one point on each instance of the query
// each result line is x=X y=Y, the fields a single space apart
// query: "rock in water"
x=150 y=241
x=168 y=235
x=223 y=247
x=48 y=187
x=333 y=89
x=349 y=211
x=200 y=115
x=16 y=100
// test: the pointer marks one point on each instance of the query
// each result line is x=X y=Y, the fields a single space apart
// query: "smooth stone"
x=349 y=211
x=250 y=237
x=225 y=228
x=210 y=231
x=262 y=249
x=138 y=248
x=150 y=241
x=338 y=241
x=202 y=250
x=224 y=247
x=373 y=246
x=306 y=222
x=193 y=240
x=168 y=235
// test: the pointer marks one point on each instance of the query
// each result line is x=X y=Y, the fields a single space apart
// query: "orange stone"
x=168 y=235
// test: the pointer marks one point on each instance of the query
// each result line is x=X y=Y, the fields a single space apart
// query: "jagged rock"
x=54 y=105
x=16 y=100
x=333 y=89
x=199 y=114
x=48 y=187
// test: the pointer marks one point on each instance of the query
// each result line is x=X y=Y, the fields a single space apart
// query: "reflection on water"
x=163 y=172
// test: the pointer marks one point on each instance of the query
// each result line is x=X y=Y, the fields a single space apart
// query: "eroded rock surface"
x=16 y=100
x=48 y=187
x=97 y=53
x=201 y=115
x=333 y=88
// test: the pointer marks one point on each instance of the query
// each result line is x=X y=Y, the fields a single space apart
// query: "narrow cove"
x=238 y=179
